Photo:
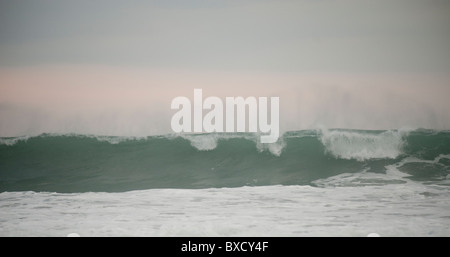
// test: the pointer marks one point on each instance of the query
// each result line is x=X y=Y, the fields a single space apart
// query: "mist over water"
x=96 y=101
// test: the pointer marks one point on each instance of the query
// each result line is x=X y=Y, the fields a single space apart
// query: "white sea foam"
x=363 y=146
x=274 y=148
x=362 y=179
x=13 y=140
x=207 y=142
x=391 y=210
x=203 y=142
x=350 y=204
x=116 y=140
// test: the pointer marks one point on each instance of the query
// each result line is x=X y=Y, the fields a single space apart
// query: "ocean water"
x=335 y=182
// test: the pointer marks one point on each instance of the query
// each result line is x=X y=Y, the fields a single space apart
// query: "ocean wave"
x=9 y=141
x=363 y=145
x=79 y=163
x=207 y=142
x=360 y=145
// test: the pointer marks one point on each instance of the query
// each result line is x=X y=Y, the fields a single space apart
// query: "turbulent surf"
x=310 y=183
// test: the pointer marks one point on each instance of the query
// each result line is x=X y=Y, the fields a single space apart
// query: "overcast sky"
x=300 y=35
x=112 y=67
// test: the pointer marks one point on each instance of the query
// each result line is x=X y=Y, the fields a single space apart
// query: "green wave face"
x=81 y=163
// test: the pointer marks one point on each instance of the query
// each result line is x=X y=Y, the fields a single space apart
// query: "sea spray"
x=190 y=118
x=363 y=145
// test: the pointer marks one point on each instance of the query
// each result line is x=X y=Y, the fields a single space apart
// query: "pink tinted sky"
x=112 y=67
x=136 y=102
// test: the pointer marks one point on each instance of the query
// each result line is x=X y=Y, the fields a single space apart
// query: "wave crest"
x=203 y=142
x=342 y=144
x=9 y=141
x=363 y=145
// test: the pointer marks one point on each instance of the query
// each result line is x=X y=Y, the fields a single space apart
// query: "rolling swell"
x=80 y=163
